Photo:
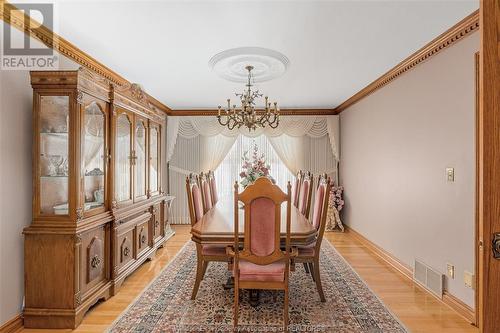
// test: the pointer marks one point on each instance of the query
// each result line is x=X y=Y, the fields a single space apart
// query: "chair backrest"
x=213 y=187
x=195 y=201
x=305 y=193
x=320 y=210
x=262 y=206
x=205 y=192
x=296 y=188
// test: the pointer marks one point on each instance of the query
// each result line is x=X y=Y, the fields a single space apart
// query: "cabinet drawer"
x=157 y=223
x=142 y=240
x=125 y=248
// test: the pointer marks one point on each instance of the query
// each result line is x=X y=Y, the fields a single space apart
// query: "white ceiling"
x=335 y=47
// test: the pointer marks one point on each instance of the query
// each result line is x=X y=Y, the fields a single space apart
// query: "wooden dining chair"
x=261 y=264
x=213 y=187
x=309 y=255
x=206 y=194
x=296 y=188
x=204 y=253
x=305 y=193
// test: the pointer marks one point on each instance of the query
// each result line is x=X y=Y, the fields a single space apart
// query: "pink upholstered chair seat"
x=307 y=250
x=252 y=272
x=213 y=250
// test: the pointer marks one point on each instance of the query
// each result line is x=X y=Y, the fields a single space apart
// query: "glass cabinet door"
x=94 y=155
x=123 y=158
x=154 y=146
x=53 y=155
x=140 y=159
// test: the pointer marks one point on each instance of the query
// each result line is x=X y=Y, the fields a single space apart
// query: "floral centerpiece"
x=336 y=197
x=254 y=167
x=335 y=205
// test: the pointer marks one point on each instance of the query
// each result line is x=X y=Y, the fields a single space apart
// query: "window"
x=229 y=170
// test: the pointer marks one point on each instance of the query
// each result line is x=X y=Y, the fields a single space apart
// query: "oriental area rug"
x=165 y=305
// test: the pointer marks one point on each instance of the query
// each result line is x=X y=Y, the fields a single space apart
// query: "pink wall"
x=395 y=146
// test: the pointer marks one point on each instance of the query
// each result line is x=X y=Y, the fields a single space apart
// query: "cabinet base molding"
x=13 y=325
x=61 y=318
x=453 y=302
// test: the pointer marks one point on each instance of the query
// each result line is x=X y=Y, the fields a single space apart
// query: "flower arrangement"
x=254 y=167
x=336 y=197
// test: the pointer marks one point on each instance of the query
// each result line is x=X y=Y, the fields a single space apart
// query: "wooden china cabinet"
x=98 y=206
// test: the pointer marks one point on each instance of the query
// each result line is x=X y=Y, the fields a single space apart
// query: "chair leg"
x=236 y=305
x=311 y=270
x=199 y=276
x=317 y=279
x=306 y=267
x=285 y=310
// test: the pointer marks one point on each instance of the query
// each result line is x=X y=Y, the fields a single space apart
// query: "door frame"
x=489 y=166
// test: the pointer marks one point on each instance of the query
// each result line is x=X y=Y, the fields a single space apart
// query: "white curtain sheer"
x=196 y=144
x=289 y=149
x=228 y=171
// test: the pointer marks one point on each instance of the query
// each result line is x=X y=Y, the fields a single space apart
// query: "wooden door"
x=140 y=158
x=95 y=156
x=154 y=159
x=54 y=155
x=123 y=138
x=489 y=167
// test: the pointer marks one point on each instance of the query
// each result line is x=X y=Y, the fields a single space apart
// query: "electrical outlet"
x=469 y=280
x=450 y=175
x=450 y=270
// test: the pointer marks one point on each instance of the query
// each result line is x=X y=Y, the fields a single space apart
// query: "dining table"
x=217 y=227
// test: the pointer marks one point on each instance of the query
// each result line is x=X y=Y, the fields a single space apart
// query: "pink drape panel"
x=262 y=226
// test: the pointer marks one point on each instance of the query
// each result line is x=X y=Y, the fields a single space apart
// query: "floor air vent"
x=429 y=278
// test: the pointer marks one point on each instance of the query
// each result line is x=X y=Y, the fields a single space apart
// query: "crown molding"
x=283 y=112
x=443 y=41
x=10 y=15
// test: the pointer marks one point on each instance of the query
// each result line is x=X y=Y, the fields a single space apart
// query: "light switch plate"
x=469 y=280
x=450 y=270
x=450 y=175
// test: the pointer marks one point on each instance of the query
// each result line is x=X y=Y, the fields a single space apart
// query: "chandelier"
x=247 y=115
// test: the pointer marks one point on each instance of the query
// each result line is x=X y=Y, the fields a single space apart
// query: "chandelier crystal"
x=247 y=115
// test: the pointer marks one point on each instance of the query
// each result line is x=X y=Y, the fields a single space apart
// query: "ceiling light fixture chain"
x=247 y=115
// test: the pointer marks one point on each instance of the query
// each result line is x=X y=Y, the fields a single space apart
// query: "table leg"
x=254 y=297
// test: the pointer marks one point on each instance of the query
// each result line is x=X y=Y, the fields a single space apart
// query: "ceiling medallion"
x=247 y=115
x=267 y=64
x=249 y=65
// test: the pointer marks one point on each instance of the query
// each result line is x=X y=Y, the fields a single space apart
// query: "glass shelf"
x=58 y=176
x=55 y=133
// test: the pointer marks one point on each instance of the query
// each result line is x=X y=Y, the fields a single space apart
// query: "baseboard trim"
x=13 y=325
x=382 y=254
x=452 y=301
x=463 y=309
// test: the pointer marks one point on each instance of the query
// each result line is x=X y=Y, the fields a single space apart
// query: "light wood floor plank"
x=419 y=311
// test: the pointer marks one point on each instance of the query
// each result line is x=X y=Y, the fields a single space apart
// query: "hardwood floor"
x=418 y=310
